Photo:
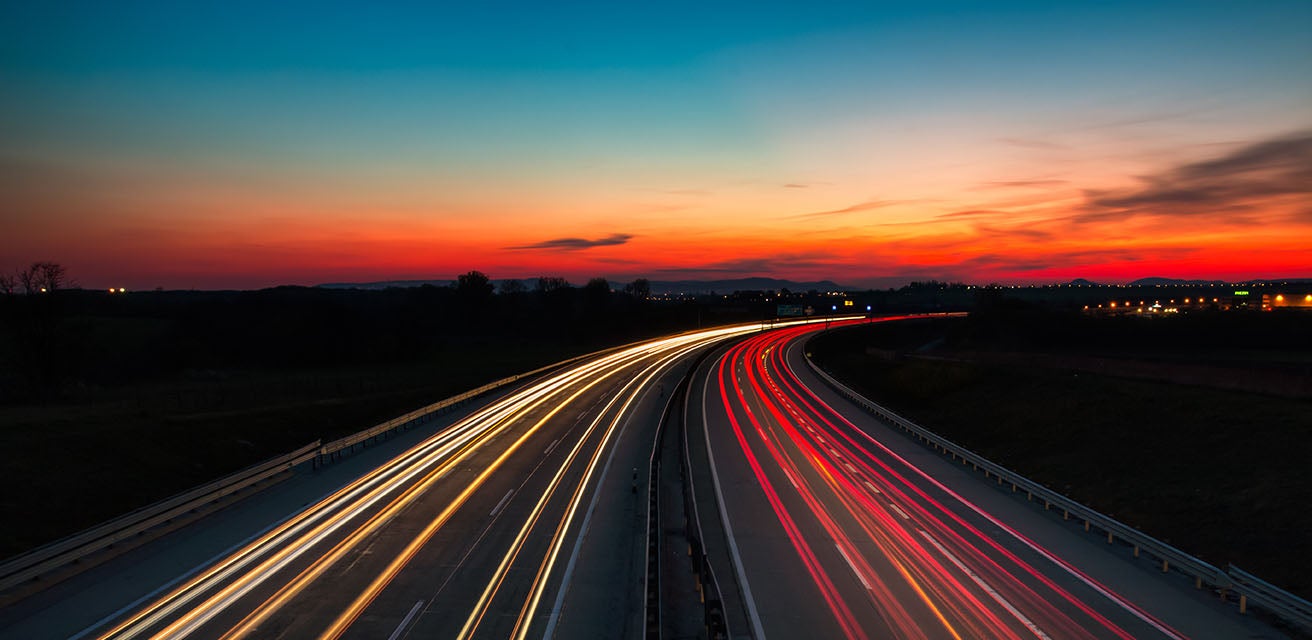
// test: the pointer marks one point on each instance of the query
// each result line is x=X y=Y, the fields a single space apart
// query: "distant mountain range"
x=661 y=287
x=658 y=287
x=386 y=284
x=1152 y=282
x=694 y=287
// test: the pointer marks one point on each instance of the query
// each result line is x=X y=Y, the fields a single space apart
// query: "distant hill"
x=1081 y=282
x=658 y=287
x=386 y=284
x=1152 y=282
x=741 y=284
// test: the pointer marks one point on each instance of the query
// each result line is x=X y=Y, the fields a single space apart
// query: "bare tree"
x=640 y=288
x=8 y=283
x=547 y=284
x=52 y=275
x=42 y=277
x=512 y=287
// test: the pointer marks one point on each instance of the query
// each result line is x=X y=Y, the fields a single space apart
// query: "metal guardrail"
x=1261 y=593
x=65 y=551
x=717 y=624
x=423 y=414
x=1246 y=587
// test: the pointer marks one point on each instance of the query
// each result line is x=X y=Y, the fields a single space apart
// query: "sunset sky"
x=251 y=144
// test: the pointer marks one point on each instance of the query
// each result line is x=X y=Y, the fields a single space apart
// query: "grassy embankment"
x=1219 y=473
x=120 y=448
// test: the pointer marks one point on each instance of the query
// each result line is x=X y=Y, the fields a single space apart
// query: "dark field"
x=117 y=449
x=1218 y=472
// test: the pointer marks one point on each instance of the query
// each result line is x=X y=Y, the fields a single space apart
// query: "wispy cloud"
x=972 y=213
x=863 y=206
x=1243 y=180
x=796 y=185
x=1014 y=184
x=576 y=244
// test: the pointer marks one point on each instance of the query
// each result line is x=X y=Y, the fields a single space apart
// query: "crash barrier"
x=1234 y=585
x=61 y=553
x=717 y=624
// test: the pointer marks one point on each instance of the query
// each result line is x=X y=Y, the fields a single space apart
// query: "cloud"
x=796 y=185
x=577 y=244
x=973 y=213
x=1245 y=180
x=863 y=206
x=756 y=265
x=1009 y=184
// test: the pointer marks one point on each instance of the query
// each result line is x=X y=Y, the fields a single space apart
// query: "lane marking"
x=853 y=566
x=899 y=511
x=1070 y=569
x=1029 y=624
x=870 y=486
x=406 y=621
x=553 y=444
x=758 y=631
x=502 y=503
x=850 y=468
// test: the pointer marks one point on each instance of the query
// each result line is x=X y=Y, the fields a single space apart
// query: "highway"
x=836 y=527
x=524 y=518
x=527 y=518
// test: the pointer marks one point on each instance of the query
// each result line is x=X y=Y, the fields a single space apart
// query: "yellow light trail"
x=411 y=473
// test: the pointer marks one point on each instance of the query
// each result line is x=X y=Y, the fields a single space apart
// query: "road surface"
x=837 y=527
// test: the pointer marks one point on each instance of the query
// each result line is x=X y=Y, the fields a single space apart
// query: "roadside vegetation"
x=1112 y=412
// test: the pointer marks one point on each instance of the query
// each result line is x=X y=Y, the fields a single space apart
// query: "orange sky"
x=865 y=144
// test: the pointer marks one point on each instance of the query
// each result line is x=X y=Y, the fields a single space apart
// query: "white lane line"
x=405 y=622
x=899 y=511
x=849 y=467
x=853 y=566
x=1069 y=568
x=1029 y=624
x=551 y=446
x=870 y=486
x=758 y=631
x=502 y=503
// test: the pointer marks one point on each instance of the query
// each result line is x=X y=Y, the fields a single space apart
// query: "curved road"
x=526 y=518
x=841 y=528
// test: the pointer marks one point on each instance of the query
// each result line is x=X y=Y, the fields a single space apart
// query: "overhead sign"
x=789 y=310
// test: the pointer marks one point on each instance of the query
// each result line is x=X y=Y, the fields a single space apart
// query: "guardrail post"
x=1243 y=604
x=1166 y=566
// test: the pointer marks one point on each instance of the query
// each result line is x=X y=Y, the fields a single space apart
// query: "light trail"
x=239 y=595
x=905 y=537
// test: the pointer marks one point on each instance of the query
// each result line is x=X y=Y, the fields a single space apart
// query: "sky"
x=252 y=144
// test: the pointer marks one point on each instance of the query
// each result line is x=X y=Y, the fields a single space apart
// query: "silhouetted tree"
x=474 y=285
x=8 y=283
x=42 y=277
x=640 y=289
x=547 y=284
x=512 y=287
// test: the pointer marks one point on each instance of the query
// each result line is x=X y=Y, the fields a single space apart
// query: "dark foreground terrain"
x=1196 y=428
